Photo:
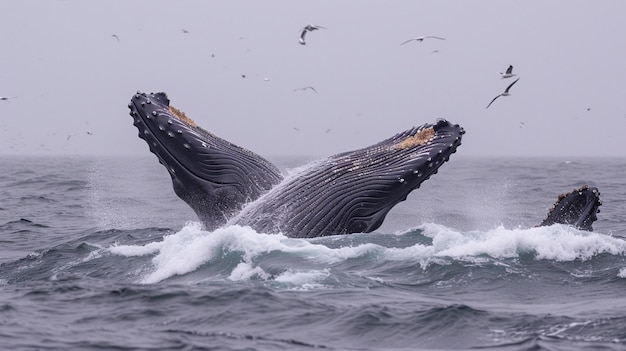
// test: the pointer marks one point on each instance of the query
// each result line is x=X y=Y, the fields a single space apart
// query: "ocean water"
x=99 y=254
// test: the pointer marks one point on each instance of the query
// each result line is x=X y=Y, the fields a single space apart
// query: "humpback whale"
x=350 y=192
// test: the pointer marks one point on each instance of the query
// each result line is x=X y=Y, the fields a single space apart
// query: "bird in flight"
x=420 y=39
x=506 y=93
x=509 y=73
x=116 y=37
x=308 y=28
x=5 y=98
x=305 y=88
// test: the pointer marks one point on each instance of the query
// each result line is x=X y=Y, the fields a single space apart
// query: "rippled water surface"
x=99 y=253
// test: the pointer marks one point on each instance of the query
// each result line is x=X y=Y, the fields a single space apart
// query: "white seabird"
x=308 y=28
x=420 y=39
x=305 y=88
x=509 y=73
x=506 y=93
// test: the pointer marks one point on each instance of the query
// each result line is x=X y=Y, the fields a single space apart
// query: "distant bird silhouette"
x=5 y=98
x=420 y=39
x=308 y=28
x=184 y=30
x=116 y=37
x=506 y=93
x=305 y=88
x=509 y=73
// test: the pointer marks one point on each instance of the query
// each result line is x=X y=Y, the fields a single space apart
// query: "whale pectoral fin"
x=352 y=192
x=578 y=208
x=213 y=176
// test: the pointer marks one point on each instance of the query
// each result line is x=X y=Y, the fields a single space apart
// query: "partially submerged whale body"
x=578 y=208
x=351 y=192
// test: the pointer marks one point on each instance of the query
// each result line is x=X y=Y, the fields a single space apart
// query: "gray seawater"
x=99 y=254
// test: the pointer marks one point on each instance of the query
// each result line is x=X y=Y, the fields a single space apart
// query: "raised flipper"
x=577 y=208
x=352 y=192
x=213 y=176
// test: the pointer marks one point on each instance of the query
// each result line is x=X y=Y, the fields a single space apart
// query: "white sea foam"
x=191 y=247
x=246 y=270
x=557 y=242
x=303 y=277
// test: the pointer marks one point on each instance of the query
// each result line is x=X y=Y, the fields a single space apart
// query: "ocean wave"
x=240 y=253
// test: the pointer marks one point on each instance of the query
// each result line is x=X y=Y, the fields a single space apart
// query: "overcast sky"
x=72 y=79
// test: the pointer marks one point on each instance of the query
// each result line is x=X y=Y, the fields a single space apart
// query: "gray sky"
x=71 y=76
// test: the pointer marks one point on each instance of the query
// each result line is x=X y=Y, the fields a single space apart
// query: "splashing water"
x=193 y=247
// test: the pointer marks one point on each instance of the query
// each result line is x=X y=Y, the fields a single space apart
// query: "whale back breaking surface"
x=352 y=192
x=578 y=208
x=213 y=176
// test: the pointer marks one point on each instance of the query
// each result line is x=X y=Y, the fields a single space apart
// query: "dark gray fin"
x=352 y=192
x=213 y=176
x=577 y=208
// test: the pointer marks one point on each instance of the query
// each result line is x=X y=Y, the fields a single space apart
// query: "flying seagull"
x=305 y=88
x=308 y=28
x=420 y=39
x=116 y=37
x=506 y=93
x=509 y=73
